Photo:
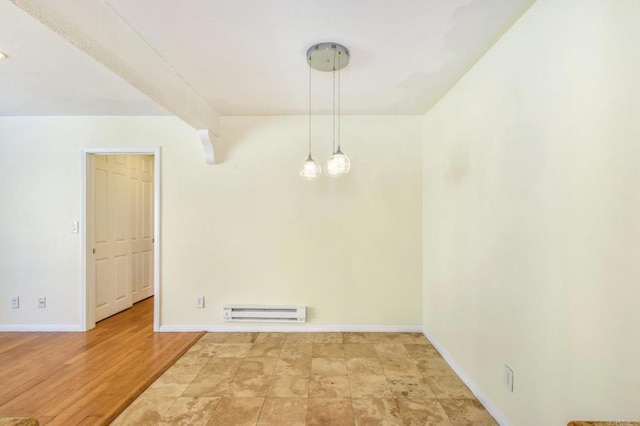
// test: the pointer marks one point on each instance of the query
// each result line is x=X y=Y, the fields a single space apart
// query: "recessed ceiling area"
x=238 y=57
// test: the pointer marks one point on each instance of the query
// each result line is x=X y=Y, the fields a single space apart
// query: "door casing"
x=87 y=294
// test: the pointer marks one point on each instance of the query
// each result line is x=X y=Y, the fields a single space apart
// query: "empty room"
x=298 y=212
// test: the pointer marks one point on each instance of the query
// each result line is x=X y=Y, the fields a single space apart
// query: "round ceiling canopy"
x=328 y=56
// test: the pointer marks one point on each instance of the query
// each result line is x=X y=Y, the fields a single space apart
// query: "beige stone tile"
x=293 y=367
x=283 y=411
x=372 y=338
x=176 y=378
x=386 y=337
x=225 y=366
x=196 y=411
x=145 y=411
x=241 y=337
x=395 y=337
x=268 y=350
x=410 y=387
x=360 y=350
x=364 y=367
x=270 y=338
x=184 y=370
x=299 y=337
x=294 y=349
x=234 y=350
x=248 y=386
x=328 y=366
x=288 y=387
x=422 y=351
x=369 y=387
x=414 y=338
x=355 y=337
x=328 y=350
x=257 y=367
x=160 y=389
x=327 y=337
x=188 y=364
x=217 y=337
x=376 y=411
x=329 y=387
x=449 y=387
x=391 y=350
x=208 y=385
x=420 y=412
x=434 y=367
x=237 y=412
x=467 y=412
x=204 y=349
x=399 y=366
x=329 y=412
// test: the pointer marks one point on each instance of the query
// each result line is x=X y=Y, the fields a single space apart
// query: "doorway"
x=121 y=228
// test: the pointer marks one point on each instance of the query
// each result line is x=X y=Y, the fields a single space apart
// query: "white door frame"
x=87 y=295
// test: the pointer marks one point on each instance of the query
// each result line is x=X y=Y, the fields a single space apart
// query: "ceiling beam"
x=122 y=50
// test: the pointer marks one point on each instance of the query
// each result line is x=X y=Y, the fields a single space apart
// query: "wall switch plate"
x=508 y=378
x=75 y=227
x=42 y=302
x=15 y=302
x=200 y=302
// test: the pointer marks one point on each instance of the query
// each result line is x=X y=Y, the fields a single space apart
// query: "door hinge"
x=94 y=251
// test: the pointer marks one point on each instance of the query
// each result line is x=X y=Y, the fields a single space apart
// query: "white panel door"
x=111 y=242
x=142 y=238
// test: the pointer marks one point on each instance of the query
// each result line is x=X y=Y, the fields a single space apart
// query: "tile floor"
x=287 y=379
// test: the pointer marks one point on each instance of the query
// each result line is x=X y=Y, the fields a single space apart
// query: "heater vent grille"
x=262 y=313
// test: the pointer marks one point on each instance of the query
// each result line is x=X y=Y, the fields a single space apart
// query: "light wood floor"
x=86 y=378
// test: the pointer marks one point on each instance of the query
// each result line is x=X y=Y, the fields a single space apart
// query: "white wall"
x=349 y=247
x=245 y=231
x=531 y=216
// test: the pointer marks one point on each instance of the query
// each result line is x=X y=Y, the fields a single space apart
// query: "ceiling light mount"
x=328 y=57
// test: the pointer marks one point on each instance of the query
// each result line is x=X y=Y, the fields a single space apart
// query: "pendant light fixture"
x=328 y=57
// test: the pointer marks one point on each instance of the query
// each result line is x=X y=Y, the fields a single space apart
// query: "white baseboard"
x=39 y=327
x=491 y=408
x=292 y=328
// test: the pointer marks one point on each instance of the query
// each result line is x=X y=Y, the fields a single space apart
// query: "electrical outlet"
x=508 y=378
x=200 y=302
x=42 y=302
x=15 y=302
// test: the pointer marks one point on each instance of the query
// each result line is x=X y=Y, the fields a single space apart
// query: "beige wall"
x=531 y=215
x=245 y=231
x=349 y=248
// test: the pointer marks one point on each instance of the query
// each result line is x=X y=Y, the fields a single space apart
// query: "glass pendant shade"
x=310 y=169
x=338 y=164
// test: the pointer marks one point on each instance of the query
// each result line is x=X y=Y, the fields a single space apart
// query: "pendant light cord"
x=339 y=68
x=334 y=101
x=309 y=108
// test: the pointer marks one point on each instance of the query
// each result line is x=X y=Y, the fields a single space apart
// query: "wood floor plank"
x=86 y=378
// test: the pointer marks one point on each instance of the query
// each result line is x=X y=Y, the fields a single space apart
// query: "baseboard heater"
x=262 y=313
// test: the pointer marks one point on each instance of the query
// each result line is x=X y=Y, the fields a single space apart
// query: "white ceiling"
x=197 y=58
x=45 y=75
